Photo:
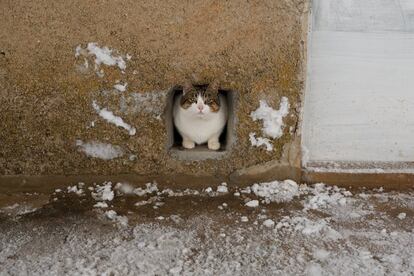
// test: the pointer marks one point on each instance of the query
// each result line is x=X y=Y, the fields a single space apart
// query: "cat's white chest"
x=200 y=129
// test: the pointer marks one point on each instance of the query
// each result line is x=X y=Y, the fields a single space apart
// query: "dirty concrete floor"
x=295 y=230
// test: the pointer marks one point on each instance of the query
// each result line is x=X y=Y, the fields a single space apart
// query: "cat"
x=200 y=115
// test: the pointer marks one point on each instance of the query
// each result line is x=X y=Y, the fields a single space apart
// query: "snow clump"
x=103 y=192
x=276 y=191
x=269 y=223
x=260 y=141
x=324 y=196
x=252 y=203
x=222 y=188
x=272 y=119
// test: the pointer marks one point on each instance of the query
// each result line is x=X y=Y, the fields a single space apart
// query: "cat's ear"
x=187 y=87
x=213 y=86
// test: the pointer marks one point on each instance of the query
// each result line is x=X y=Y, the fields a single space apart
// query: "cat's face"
x=200 y=103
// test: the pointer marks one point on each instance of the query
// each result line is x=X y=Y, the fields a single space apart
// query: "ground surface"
x=294 y=230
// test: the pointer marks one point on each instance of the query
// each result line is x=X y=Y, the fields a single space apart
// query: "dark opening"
x=200 y=151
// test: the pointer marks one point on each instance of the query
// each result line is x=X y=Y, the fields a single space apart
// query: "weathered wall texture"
x=254 y=47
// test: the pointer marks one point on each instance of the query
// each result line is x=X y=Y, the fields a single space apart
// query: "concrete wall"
x=256 y=49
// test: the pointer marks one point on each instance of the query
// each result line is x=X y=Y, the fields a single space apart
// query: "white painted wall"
x=359 y=102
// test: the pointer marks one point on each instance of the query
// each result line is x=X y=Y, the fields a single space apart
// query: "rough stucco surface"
x=254 y=47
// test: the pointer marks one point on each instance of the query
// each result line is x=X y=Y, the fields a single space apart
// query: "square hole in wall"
x=200 y=152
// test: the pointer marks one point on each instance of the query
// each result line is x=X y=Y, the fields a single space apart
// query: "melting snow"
x=111 y=118
x=299 y=242
x=104 y=55
x=272 y=119
x=260 y=141
x=103 y=192
x=100 y=150
x=276 y=191
x=112 y=215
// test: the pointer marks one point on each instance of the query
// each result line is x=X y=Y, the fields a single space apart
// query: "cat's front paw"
x=188 y=144
x=213 y=145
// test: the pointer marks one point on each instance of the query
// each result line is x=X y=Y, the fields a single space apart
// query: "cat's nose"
x=200 y=107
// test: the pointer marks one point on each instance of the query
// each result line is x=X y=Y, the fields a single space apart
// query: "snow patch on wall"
x=260 y=141
x=102 y=55
x=148 y=103
x=272 y=119
x=113 y=119
x=100 y=150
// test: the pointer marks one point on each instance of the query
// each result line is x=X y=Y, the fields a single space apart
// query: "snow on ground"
x=100 y=150
x=272 y=119
x=296 y=229
x=113 y=119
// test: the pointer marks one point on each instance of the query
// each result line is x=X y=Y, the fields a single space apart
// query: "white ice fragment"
x=269 y=223
x=121 y=87
x=101 y=205
x=100 y=150
x=111 y=214
x=244 y=219
x=236 y=194
x=160 y=218
x=124 y=188
x=402 y=216
x=75 y=189
x=103 y=192
x=246 y=190
x=208 y=190
x=142 y=203
x=111 y=118
x=150 y=188
x=222 y=188
x=260 y=141
x=272 y=119
x=252 y=203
